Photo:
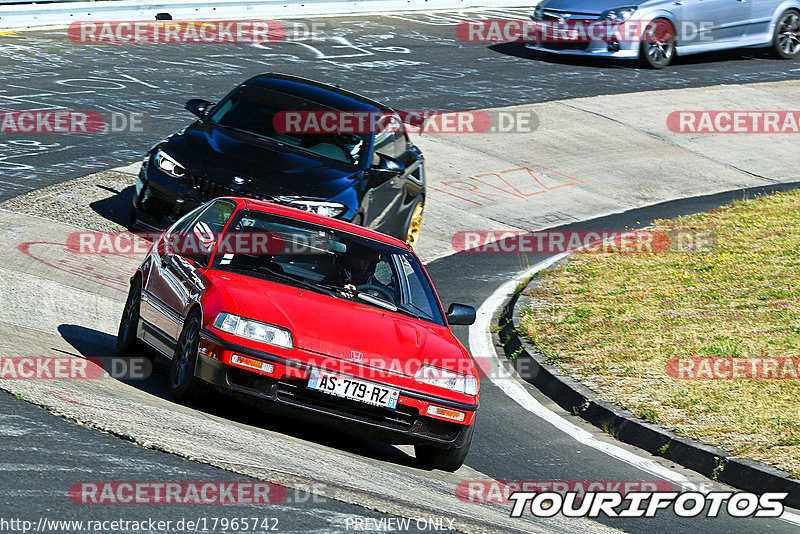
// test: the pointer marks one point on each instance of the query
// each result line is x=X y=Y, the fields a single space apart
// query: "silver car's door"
x=726 y=20
x=762 y=15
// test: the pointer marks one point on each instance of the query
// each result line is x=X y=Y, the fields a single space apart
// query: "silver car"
x=682 y=27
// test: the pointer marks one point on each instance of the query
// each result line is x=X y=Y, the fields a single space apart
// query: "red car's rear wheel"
x=127 y=343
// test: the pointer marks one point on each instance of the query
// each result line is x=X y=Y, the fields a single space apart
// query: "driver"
x=355 y=268
x=349 y=143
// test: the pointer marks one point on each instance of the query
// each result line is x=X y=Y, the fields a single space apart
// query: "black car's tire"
x=657 y=49
x=450 y=459
x=786 y=42
x=183 y=385
x=127 y=342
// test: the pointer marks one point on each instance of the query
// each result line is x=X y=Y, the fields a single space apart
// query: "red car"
x=318 y=316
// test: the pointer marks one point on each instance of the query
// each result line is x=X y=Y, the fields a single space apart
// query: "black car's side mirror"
x=199 y=107
x=460 y=314
x=388 y=164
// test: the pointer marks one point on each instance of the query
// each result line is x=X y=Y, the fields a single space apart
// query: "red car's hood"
x=345 y=329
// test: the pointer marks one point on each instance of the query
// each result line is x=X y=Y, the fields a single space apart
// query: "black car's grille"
x=208 y=189
x=295 y=392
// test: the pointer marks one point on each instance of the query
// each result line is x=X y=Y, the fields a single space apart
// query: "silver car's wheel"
x=658 y=44
x=787 y=35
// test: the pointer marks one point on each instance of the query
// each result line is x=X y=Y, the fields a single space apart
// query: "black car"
x=374 y=179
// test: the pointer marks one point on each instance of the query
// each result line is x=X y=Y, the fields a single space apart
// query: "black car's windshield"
x=335 y=263
x=253 y=110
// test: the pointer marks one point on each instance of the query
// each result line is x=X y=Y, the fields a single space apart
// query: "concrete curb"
x=64 y=13
x=712 y=462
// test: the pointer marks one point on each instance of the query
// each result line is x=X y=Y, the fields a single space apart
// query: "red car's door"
x=177 y=280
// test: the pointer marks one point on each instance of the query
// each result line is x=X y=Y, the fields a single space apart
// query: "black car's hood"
x=222 y=154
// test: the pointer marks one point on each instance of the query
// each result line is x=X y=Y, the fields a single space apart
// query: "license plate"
x=353 y=389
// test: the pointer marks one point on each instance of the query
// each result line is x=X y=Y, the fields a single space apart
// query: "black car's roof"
x=327 y=95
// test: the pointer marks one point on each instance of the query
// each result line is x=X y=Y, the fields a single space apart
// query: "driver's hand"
x=349 y=290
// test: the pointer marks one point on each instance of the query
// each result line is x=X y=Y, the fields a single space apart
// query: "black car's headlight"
x=168 y=164
x=255 y=330
x=320 y=207
x=538 y=11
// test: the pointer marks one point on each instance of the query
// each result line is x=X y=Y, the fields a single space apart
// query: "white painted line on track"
x=482 y=346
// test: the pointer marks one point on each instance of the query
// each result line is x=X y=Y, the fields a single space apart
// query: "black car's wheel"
x=786 y=43
x=445 y=459
x=658 y=45
x=415 y=225
x=127 y=342
x=183 y=385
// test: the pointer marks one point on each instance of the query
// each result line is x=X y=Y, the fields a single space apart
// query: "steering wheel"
x=366 y=288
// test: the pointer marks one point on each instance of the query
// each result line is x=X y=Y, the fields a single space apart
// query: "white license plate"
x=353 y=389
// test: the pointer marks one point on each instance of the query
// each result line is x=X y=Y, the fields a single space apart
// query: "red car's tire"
x=127 y=342
x=183 y=385
x=450 y=459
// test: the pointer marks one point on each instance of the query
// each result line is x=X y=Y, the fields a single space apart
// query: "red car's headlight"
x=255 y=330
x=451 y=380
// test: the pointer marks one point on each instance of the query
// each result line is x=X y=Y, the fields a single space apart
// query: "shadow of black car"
x=91 y=343
x=116 y=208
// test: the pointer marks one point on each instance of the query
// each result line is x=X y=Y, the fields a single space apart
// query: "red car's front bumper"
x=286 y=384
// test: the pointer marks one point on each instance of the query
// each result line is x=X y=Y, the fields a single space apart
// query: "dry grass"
x=613 y=320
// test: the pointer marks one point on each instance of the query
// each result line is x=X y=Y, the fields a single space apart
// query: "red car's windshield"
x=337 y=263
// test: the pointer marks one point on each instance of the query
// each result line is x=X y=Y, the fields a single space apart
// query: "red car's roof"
x=337 y=224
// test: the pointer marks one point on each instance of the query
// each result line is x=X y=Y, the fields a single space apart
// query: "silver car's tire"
x=786 y=43
x=658 y=45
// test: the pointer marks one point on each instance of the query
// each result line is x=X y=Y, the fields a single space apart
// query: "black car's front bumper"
x=160 y=199
x=403 y=425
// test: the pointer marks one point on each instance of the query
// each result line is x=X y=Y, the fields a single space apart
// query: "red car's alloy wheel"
x=182 y=382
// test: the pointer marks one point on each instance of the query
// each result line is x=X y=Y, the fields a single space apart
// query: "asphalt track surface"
x=409 y=61
x=41 y=69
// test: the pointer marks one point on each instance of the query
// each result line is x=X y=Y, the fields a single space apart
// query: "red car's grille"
x=296 y=393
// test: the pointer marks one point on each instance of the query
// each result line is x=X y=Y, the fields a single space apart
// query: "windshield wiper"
x=386 y=304
x=408 y=312
x=260 y=136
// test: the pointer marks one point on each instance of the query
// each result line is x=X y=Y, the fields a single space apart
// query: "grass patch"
x=614 y=320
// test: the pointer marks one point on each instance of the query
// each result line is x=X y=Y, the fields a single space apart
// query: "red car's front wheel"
x=450 y=459
x=182 y=382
